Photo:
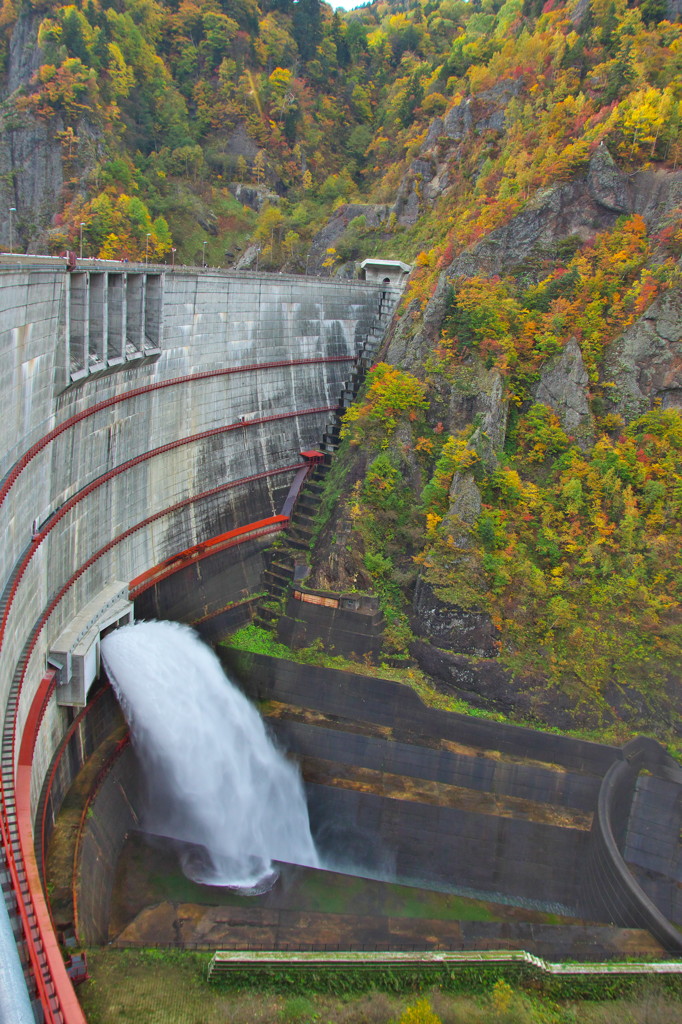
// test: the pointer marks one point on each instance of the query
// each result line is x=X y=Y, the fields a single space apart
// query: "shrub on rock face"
x=540 y=434
x=392 y=395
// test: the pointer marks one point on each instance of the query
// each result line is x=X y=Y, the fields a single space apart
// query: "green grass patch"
x=256 y=640
x=170 y=987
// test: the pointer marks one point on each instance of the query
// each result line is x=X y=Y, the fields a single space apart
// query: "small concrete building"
x=391 y=272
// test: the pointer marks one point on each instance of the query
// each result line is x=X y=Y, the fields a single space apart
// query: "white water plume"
x=214 y=778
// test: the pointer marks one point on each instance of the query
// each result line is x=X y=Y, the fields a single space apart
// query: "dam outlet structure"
x=159 y=425
x=216 y=784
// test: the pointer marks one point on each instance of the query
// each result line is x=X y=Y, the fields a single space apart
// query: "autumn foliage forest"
x=161 y=106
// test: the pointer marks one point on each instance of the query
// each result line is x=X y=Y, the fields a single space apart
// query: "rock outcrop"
x=644 y=365
x=374 y=214
x=640 y=370
x=428 y=176
x=465 y=498
x=564 y=387
x=253 y=196
x=493 y=406
x=580 y=207
x=449 y=627
x=607 y=185
x=25 y=56
x=485 y=683
x=34 y=165
x=31 y=166
x=31 y=178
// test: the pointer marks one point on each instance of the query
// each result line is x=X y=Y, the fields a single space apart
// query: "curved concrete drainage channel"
x=223 y=963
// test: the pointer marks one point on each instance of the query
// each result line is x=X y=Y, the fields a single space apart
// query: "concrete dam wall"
x=144 y=412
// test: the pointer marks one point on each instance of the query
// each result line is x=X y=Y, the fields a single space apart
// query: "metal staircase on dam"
x=286 y=562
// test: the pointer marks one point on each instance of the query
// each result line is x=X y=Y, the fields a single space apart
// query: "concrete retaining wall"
x=384 y=702
x=611 y=887
x=112 y=814
x=513 y=822
x=531 y=841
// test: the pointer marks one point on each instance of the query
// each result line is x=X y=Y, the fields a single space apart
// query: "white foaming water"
x=214 y=778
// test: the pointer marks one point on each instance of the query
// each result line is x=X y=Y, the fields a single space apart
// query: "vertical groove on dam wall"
x=118 y=454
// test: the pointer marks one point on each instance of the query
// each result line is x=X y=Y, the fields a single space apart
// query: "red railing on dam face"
x=49 y=525
x=240 y=535
x=47 y=439
x=53 y=985
x=35 y=594
x=259 y=528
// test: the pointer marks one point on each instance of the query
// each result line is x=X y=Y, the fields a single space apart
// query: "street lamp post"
x=12 y=210
x=203 y=255
x=173 y=252
x=146 y=249
x=82 y=226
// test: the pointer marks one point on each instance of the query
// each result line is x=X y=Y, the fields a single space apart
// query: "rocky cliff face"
x=580 y=208
x=31 y=165
x=31 y=179
x=429 y=175
x=564 y=387
x=642 y=369
x=375 y=214
x=36 y=163
x=644 y=365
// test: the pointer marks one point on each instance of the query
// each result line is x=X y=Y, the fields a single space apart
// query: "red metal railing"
x=124 y=467
x=260 y=528
x=53 y=984
x=92 y=410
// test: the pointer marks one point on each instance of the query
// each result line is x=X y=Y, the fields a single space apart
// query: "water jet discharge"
x=216 y=784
